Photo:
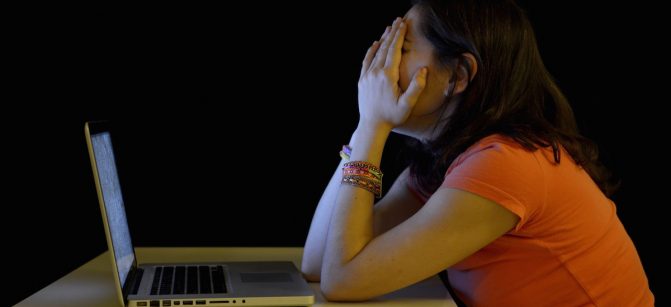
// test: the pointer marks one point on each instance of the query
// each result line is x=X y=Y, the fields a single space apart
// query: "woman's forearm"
x=313 y=252
x=315 y=243
x=351 y=225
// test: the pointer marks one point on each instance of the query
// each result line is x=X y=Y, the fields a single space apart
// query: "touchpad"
x=265 y=277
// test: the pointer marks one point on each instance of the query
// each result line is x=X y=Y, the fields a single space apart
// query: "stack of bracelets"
x=361 y=174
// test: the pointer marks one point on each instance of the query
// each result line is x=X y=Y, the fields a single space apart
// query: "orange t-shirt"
x=568 y=249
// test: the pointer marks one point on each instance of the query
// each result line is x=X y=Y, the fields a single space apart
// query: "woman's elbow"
x=311 y=276
x=311 y=272
x=340 y=291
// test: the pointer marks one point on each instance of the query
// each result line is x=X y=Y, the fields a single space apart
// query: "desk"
x=92 y=284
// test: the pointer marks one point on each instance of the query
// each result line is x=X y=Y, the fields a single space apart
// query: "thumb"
x=411 y=95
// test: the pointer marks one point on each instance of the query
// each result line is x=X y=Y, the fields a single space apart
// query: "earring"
x=449 y=90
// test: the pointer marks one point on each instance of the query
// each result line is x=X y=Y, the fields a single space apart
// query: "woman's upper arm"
x=396 y=206
x=452 y=225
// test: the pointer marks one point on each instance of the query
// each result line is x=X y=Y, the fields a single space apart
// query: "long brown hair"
x=512 y=92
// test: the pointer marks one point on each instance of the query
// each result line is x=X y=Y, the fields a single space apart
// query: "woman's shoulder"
x=497 y=139
x=494 y=143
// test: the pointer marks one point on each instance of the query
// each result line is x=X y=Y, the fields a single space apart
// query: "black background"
x=228 y=119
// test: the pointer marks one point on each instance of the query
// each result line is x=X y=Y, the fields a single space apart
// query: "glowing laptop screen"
x=114 y=207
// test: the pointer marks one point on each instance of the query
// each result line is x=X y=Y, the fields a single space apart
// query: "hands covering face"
x=381 y=102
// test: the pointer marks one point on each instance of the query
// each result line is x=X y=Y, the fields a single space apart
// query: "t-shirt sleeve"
x=506 y=174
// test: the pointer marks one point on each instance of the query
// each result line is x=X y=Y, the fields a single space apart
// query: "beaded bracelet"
x=373 y=186
x=363 y=175
x=364 y=166
x=347 y=171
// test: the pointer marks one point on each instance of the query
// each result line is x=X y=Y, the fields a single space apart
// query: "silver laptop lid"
x=99 y=143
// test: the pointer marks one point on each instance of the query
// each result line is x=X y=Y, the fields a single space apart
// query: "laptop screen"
x=113 y=200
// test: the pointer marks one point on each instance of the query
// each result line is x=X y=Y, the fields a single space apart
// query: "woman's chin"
x=404 y=131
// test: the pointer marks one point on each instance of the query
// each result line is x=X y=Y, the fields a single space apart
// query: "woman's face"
x=418 y=52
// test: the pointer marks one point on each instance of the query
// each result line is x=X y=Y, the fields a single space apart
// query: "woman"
x=503 y=192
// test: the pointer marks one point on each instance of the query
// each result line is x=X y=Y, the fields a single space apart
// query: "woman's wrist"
x=368 y=142
x=378 y=129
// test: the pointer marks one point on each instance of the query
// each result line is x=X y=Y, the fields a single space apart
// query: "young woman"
x=503 y=191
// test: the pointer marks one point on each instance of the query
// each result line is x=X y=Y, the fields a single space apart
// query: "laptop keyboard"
x=201 y=279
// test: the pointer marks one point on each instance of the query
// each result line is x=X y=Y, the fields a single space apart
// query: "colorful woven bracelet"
x=373 y=186
x=364 y=166
x=346 y=171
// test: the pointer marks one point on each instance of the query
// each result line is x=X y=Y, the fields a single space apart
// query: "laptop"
x=181 y=284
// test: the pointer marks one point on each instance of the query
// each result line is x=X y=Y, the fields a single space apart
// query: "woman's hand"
x=382 y=105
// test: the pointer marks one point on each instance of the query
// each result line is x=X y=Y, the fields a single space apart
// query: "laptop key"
x=192 y=280
x=180 y=280
x=205 y=279
x=166 y=280
x=157 y=278
x=218 y=279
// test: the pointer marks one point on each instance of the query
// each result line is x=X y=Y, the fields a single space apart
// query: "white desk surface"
x=93 y=285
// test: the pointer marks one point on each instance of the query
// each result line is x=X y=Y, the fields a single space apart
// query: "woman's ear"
x=465 y=71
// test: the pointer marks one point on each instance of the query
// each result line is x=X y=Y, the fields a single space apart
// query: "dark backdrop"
x=229 y=119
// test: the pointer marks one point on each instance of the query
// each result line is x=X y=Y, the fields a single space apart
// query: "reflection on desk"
x=92 y=284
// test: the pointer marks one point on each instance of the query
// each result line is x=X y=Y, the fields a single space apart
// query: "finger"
x=417 y=85
x=386 y=33
x=394 y=52
x=369 y=57
x=381 y=55
x=387 y=30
